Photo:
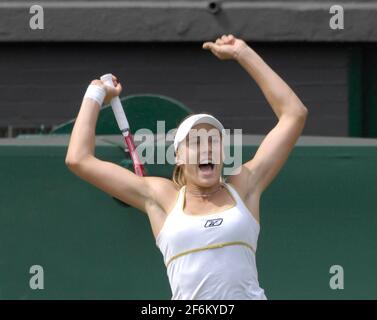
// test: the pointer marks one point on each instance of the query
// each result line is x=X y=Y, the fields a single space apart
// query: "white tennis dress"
x=211 y=256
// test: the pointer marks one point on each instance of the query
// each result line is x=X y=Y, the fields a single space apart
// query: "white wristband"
x=96 y=93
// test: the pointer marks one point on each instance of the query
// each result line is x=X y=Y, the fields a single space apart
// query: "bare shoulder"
x=243 y=184
x=241 y=180
x=164 y=192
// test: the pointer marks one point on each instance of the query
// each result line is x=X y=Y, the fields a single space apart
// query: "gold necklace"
x=205 y=195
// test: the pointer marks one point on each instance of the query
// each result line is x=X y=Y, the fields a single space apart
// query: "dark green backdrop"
x=320 y=211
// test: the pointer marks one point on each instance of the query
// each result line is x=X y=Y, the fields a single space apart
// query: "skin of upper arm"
x=257 y=173
x=273 y=152
x=119 y=182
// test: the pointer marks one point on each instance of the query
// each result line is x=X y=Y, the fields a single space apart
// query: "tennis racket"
x=124 y=127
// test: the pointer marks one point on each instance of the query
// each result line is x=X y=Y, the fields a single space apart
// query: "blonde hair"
x=178 y=176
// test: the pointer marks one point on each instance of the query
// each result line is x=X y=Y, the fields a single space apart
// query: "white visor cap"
x=191 y=121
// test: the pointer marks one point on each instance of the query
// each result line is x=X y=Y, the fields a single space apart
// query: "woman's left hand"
x=226 y=47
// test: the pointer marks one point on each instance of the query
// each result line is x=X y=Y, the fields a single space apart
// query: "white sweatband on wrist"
x=96 y=93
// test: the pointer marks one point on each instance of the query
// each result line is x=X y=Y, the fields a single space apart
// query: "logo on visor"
x=213 y=223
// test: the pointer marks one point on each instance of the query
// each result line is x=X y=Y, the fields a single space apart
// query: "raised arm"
x=109 y=177
x=274 y=150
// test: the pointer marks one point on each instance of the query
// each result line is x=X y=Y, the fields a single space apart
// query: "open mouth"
x=206 y=167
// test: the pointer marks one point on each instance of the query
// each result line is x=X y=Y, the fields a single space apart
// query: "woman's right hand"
x=111 y=92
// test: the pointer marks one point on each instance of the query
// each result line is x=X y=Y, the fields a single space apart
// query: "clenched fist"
x=111 y=92
x=226 y=47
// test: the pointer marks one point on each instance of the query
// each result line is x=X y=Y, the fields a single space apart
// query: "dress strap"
x=233 y=192
x=180 y=198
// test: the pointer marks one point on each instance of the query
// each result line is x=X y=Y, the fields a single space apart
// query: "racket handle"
x=116 y=105
x=138 y=166
x=124 y=127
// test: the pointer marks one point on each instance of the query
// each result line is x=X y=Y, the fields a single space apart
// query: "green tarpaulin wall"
x=320 y=211
x=143 y=111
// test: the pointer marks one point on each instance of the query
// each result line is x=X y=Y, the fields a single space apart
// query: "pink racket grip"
x=139 y=169
x=138 y=166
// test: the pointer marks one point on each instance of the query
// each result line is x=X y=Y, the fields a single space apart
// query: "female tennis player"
x=206 y=227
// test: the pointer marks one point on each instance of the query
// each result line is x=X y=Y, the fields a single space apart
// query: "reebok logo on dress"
x=213 y=223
